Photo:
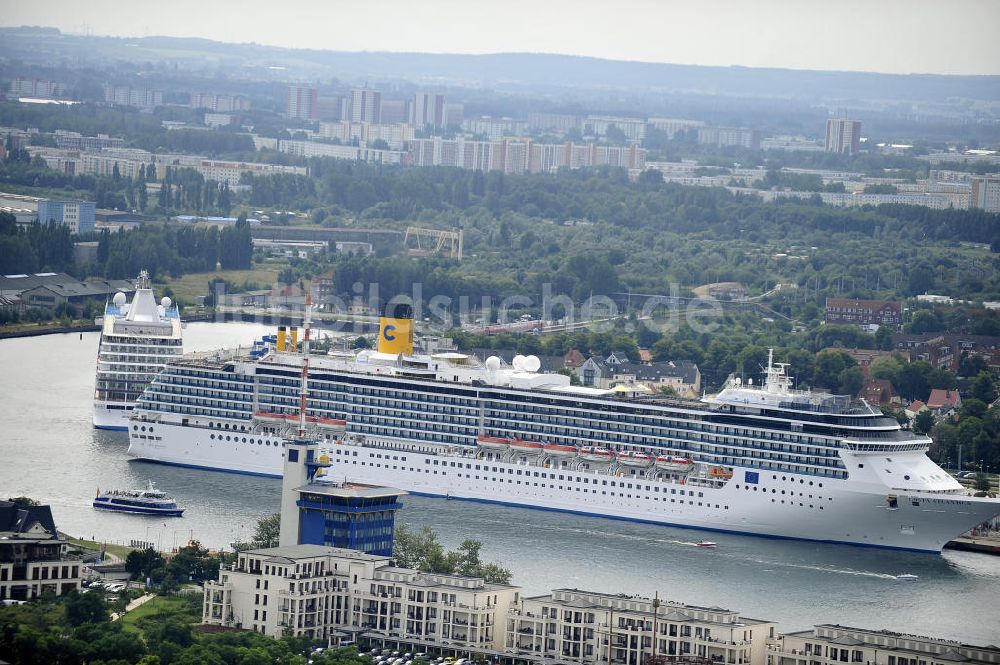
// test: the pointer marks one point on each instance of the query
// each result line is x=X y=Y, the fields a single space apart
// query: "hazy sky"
x=903 y=36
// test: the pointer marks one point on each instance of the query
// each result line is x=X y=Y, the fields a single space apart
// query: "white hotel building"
x=828 y=644
x=329 y=593
x=581 y=626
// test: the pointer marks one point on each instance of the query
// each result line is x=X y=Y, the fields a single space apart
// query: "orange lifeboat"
x=492 y=442
x=526 y=447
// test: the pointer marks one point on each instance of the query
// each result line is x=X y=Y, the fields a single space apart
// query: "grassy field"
x=193 y=286
x=118 y=550
x=160 y=606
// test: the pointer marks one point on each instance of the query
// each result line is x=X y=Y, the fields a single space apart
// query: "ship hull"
x=112 y=415
x=781 y=506
x=139 y=510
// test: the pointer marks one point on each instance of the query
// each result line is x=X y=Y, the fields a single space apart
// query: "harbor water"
x=50 y=451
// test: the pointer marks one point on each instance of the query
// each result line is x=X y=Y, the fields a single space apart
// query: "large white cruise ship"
x=756 y=459
x=137 y=340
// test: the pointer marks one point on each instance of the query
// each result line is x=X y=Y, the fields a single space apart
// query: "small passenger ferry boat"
x=149 y=501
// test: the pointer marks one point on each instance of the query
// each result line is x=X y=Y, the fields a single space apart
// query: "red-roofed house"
x=914 y=409
x=943 y=401
x=573 y=359
x=878 y=392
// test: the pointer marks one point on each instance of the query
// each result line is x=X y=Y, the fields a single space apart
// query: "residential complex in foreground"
x=346 y=596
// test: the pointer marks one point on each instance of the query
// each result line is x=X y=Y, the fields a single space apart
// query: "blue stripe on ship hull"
x=210 y=468
x=139 y=511
x=579 y=512
x=674 y=524
x=116 y=428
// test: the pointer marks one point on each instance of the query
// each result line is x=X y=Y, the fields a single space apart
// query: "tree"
x=850 y=380
x=423 y=551
x=924 y=421
x=82 y=608
x=829 y=365
x=983 y=387
x=361 y=342
x=23 y=502
x=267 y=531
x=141 y=563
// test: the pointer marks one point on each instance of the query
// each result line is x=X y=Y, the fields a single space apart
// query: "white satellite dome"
x=166 y=302
x=493 y=363
x=119 y=299
x=532 y=364
x=518 y=362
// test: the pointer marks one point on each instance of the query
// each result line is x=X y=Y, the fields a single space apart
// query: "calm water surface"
x=48 y=450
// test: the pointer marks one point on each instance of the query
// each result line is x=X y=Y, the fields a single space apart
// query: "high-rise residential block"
x=843 y=135
x=365 y=105
x=986 y=193
x=300 y=103
x=427 y=109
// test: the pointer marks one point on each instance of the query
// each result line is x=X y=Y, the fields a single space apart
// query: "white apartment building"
x=598 y=125
x=230 y=172
x=36 y=88
x=581 y=626
x=327 y=593
x=495 y=129
x=356 y=153
x=395 y=135
x=671 y=126
x=828 y=644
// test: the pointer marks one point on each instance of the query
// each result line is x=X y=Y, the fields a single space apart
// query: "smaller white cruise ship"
x=137 y=340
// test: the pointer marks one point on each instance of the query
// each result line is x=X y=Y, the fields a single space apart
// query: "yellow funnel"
x=395 y=329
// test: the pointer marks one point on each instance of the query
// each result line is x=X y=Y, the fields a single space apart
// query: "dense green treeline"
x=39 y=247
x=602 y=196
x=173 y=250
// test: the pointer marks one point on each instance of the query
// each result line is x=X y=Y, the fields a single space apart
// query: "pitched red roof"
x=940 y=398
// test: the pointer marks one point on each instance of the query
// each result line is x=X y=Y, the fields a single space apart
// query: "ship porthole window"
x=906 y=477
x=143 y=428
x=135 y=427
x=211 y=436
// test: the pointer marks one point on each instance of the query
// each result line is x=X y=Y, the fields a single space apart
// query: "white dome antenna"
x=166 y=302
x=119 y=299
x=518 y=363
x=532 y=364
x=493 y=363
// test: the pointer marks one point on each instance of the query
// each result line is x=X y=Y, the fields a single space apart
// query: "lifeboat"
x=266 y=417
x=595 y=454
x=720 y=473
x=635 y=459
x=492 y=442
x=330 y=423
x=674 y=464
x=526 y=447
x=557 y=450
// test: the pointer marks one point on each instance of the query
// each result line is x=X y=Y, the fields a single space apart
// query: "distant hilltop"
x=506 y=69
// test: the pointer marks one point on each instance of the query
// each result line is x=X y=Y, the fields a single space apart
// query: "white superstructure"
x=764 y=460
x=137 y=340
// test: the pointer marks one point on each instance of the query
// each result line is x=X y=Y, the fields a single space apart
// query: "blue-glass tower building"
x=315 y=511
